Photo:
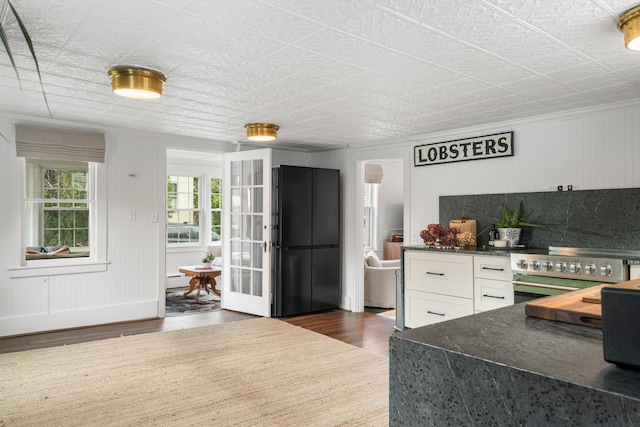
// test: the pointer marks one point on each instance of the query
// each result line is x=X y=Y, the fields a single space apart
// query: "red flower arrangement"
x=435 y=234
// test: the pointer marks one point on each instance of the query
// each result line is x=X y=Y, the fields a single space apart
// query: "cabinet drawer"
x=442 y=274
x=423 y=308
x=492 y=267
x=492 y=294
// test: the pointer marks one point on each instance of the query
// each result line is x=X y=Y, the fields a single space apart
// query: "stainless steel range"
x=559 y=270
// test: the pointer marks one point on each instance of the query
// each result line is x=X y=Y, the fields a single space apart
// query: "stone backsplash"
x=583 y=219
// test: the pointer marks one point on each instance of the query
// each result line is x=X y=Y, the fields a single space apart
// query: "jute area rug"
x=391 y=314
x=258 y=372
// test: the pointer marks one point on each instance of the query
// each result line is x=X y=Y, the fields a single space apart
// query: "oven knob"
x=535 y=265
x=575 y=268
x=547 y=265
x=561 y=267
x=605 y=270
x=521 y=264
x=589 y=269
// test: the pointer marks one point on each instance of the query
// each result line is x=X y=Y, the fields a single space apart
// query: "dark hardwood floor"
x=366 y=330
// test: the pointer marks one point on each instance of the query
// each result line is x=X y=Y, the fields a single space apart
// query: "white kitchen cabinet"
x=425 y=308
x=492 y=282
x=438 y=287
x=634 y=272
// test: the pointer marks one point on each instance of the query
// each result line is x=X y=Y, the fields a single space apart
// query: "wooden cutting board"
x=578 y=307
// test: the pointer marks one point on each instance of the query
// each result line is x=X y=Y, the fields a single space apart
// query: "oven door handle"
x=542 y=285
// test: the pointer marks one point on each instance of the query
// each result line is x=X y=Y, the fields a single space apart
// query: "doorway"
x=383 y=205
x=383 y=213
x=193 y=222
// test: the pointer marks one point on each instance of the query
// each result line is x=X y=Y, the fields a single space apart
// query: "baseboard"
x=21 y=325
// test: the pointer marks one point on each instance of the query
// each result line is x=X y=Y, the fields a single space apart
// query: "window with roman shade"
x=59 y=144
x=60 y=218
x=373 y=173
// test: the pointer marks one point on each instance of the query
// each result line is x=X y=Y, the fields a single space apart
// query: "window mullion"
x=59 y=205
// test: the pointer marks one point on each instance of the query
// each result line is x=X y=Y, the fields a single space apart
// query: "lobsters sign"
x=460 y=150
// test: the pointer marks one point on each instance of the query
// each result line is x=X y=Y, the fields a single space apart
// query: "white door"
x=246 y=232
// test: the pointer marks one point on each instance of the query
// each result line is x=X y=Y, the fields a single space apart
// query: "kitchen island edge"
x=501 y=367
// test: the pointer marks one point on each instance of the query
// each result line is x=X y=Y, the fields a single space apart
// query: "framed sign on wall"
x=460 y=150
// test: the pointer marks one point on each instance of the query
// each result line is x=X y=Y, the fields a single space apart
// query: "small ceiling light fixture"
x=132 y=81
x=629 y=24
x=262 y=131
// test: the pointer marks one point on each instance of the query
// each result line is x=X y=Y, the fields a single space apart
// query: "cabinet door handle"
x=435 y=274
x=437 y=314
x=492 y=296
x=493 y=269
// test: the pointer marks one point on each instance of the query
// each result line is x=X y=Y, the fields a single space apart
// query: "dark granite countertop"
x=630 y=259
x=562 y=351
x=471 y=250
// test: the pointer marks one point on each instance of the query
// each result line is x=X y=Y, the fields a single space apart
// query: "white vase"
x=206 y=264
x=511 y=235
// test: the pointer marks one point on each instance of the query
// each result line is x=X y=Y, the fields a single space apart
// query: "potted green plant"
x=207 y=259
x=510 y=224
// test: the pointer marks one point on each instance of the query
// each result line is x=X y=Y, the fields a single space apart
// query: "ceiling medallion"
x=262 y=131
x=132 y=81
x=629 y=24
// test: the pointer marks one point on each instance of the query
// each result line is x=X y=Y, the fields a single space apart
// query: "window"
x=183 y=211
x=190 y=207
x=64 y=210
x=370 y=207
x=58 y=209
x=216 y=209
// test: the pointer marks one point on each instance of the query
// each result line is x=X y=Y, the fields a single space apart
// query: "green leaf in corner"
x=5 y=42
x=27 y=38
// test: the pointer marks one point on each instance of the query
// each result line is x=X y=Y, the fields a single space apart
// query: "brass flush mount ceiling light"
x=629 y=24
x=261 y=131
x=136 y=82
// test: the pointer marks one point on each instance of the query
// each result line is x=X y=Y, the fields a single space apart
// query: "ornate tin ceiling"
x=331 y=73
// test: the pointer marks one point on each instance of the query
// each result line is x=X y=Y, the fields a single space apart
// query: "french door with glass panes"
x=246 y=231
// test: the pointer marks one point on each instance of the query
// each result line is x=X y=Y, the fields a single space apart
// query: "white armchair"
x=216 y=251
x=380 y=281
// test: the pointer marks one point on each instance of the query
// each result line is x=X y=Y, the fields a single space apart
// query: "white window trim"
x=211 y=209
x=373 y=209
x=204 y=195
x=97 y=261
x=201 y=240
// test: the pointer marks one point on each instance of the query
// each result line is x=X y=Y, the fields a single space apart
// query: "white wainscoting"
x=129 y=288
x=589 y=149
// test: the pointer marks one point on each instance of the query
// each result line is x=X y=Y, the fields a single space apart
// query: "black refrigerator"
x=306 y=240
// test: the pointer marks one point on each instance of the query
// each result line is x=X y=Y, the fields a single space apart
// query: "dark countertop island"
x=502 y=368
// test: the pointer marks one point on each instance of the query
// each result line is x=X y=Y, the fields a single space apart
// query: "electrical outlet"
x=132 y=215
